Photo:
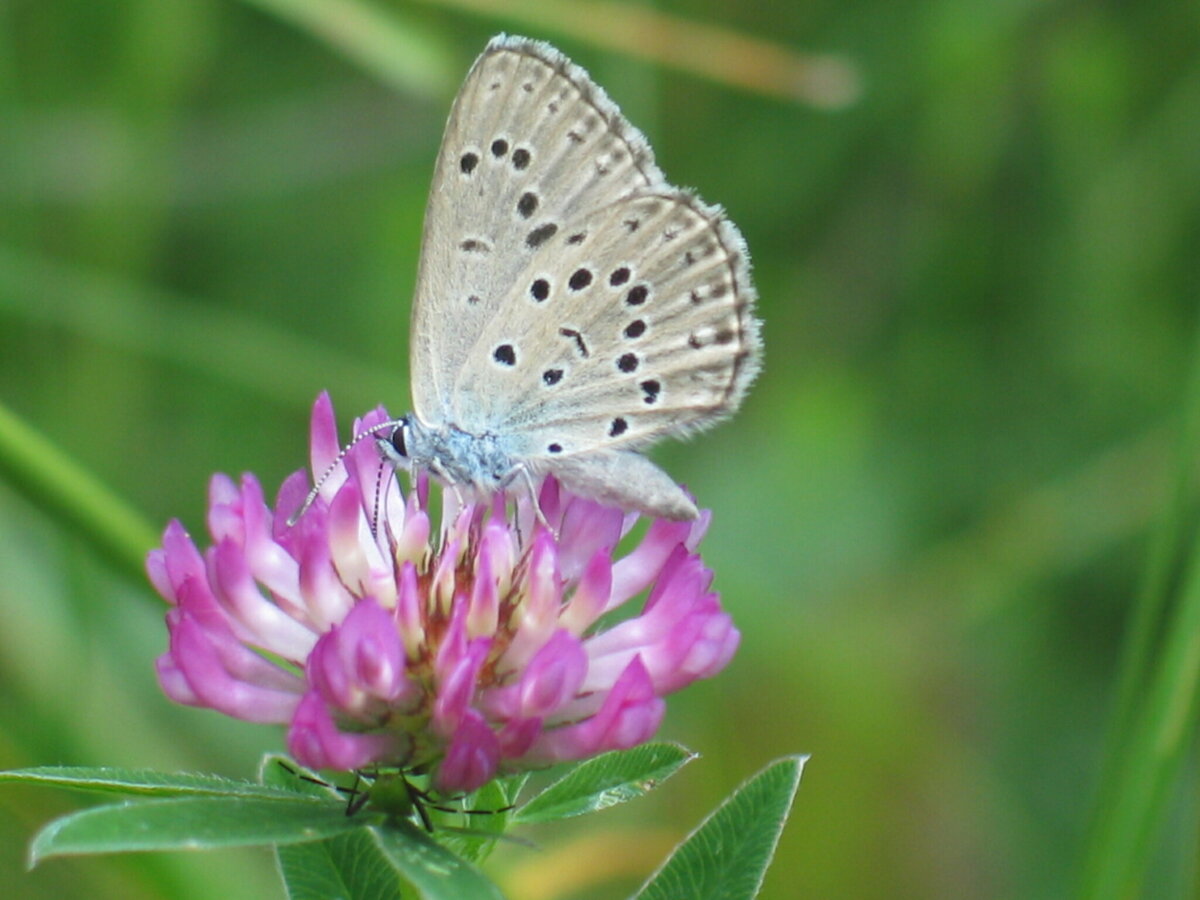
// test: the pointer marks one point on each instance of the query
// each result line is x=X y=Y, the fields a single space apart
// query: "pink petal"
x=630 y=715
x=315 y=741
x=591 y=597
x=471 y=758
x=156 y=571
x=173 y=682
x=359 y=665
x=484 y=605
x=325 y=598
x=409 y=609
x=456 y=689
x=551 y=679
x=323 y=445
x=553 y=675
x=271 y=564
x=224 y=509
x=288 y=500
x=587 y=527
x=222 y=686
x=537 y=618
x=518 y=736
x=182 y=560
x=262 y=622
x=637 y=571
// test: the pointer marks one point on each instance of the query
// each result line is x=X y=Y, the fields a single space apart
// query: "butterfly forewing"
x=531 y=145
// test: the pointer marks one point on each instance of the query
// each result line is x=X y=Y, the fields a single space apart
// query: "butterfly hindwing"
x=634 y=323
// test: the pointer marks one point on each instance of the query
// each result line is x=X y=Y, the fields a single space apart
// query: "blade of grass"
x=1166 y=546
x=73 y=496
x=396 y=50
x=159 y=324
x=827 y=81
x=1154 y=711
x=1122 y=837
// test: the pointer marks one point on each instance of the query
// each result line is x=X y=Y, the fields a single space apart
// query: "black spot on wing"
x=540 y=235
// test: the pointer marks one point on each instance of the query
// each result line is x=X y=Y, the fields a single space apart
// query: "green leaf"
x=605 y=781
x=512 y=785
x=430 y=869
x=144 y=782
x=189 y=823
x=728 y=854
x=476 y=834
x=349 y=866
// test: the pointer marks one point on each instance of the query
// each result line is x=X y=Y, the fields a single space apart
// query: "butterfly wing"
x=531 y=143
x=571 y=304
x=635 y=321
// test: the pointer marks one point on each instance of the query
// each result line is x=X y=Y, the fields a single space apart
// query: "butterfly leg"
x=448 y=480
x=533 y=495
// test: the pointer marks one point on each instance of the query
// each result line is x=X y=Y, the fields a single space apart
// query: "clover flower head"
x=480 y=646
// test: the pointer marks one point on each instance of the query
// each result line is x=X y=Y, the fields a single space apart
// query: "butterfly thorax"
x=455 y=456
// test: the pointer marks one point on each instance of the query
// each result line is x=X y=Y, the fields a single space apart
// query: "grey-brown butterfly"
x=572 y=307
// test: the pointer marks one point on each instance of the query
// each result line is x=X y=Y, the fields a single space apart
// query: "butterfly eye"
x=397 y=438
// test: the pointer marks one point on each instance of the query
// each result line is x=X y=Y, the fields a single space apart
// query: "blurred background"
x=975 y=230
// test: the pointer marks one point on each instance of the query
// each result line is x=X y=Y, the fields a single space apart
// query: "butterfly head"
x=394 y=444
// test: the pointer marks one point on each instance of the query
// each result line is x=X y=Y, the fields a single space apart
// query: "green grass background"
x=960 y=486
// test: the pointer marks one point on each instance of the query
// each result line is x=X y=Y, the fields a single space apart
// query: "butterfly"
x=572 y=307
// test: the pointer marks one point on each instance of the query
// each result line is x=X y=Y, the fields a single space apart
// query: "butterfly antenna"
x=380 y=482
x=332 y=467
